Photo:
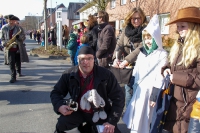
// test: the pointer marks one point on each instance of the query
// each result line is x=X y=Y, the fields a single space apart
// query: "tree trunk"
x=45 y=24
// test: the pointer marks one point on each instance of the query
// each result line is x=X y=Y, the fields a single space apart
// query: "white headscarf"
x=153 y=29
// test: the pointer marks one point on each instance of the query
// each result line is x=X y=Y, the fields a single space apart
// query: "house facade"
x=31 y=22
x=51 y=15
x=167 y=10
x=85 y=11
x=73 y=14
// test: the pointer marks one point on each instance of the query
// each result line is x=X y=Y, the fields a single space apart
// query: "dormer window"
x=58 y=14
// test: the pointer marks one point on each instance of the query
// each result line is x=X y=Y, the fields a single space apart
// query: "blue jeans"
x=194 y=126
x=128 y=94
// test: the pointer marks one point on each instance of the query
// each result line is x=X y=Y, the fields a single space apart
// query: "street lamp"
x=51 y=15
x=38 y=21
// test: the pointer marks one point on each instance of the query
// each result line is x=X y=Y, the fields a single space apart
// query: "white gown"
x=138 y=114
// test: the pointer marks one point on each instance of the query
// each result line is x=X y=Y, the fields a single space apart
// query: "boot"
x=13 y=80
x=20 y=75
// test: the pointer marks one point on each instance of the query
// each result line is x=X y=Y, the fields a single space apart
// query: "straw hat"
x=188 y=14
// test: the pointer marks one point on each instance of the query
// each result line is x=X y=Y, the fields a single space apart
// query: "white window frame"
x=163 y=20
x=123 y=2
x=121 y=22
x=59 y=14
x=112 y=4
x=148 y=18
x=77 y=15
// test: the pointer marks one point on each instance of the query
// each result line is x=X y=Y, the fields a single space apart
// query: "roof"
x=86 y=6
x=73 y=8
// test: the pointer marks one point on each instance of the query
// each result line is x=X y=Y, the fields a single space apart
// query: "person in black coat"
x=78 y=81
x=92 y=32
x=53 y=36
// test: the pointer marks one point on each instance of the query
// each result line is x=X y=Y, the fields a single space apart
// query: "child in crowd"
x=72 y=47
x=147 y=79
x=83 y=42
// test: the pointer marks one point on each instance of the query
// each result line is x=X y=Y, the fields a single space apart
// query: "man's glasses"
x=86 y=59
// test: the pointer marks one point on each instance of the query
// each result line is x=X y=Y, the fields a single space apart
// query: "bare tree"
x=45 y=24
x=100 y=4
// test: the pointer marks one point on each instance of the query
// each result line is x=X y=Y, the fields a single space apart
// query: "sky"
x=22 y=8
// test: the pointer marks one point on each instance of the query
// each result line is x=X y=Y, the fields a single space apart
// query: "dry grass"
x=52 y=50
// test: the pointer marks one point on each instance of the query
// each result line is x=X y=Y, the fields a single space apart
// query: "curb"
x=48 y=56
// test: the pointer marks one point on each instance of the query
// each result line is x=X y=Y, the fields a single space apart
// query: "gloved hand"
x=1 y=48
x=17 y=36
x=95 y=117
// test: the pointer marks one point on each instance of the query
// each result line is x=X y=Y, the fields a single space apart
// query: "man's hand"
x=64 y=110
x=1 y=48
x=108 y=128
x=4 y=45
x=17 y=36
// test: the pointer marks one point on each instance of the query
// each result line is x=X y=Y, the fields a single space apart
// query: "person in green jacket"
x=72 y=47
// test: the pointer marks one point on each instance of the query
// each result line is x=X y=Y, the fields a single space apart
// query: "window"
x=123 y=2
x=163 y=19
x=121 y=24
x=133 y=0
x=58 y=14
x=112 y=4
x=77 y=15
x=148 y=18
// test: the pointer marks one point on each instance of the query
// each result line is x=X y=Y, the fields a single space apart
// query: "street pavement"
x=25 y=105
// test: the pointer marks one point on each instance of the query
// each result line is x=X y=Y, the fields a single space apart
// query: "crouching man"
x=100 y=98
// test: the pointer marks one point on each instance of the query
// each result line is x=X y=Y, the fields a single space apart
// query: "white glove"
x=96 y=98
x=84 y=104
x=102 y=115
x=95 y=117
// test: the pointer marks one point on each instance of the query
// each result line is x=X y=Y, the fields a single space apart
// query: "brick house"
x=30 y=22
x=167 y=10
x=73 y=15
x=51 y=14
x=68 y=15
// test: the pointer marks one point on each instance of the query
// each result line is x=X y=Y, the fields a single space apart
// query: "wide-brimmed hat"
x=11 y=17
x=14 y=18
x=8 y=16
x=188 y=14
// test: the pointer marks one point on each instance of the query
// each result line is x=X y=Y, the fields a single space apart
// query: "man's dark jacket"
x=104 y=82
